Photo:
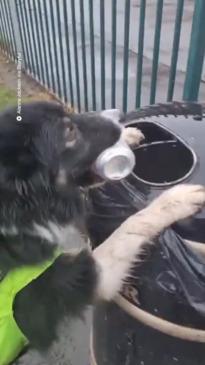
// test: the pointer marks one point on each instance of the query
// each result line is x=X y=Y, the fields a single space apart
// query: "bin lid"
x=173 y=153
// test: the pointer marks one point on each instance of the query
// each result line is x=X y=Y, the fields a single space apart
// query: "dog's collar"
x=12 y=339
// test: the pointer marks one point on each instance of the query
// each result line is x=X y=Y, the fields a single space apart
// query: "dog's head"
x=51 y=146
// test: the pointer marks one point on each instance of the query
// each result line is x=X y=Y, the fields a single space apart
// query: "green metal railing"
x=175 y=49
x=155 y=62
x=196 y=53
x=66 y=47
x=140 y=53
x=7 y=37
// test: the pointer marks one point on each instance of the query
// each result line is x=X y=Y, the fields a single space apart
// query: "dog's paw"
x=132 y=136
x=181 y=201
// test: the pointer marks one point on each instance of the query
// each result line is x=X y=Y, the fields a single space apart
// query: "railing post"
x=196 y=53
x=16 y=29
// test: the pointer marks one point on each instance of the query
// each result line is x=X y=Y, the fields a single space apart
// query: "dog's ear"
x=16 y=159
x=26 y=151
x=33 y=146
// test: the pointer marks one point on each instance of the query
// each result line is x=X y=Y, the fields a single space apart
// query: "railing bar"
x=155 y=62
x=126 y=53
x=65 y=11
x=140 y=53
x=49 y=46
x=82 y=23
x=65 y=92
x=36 y=4
x=75 y=45
x=44 y=60
x=102 y=51
x=33 y=39
x=92 y=50
x=196 y=53
x=113 y=65
x=26 y=54
x=4 y=45
x=53 y=29
x=5 y=31
x=7 y=20
x=175 y=49
x=26 y=30
x=12 y=27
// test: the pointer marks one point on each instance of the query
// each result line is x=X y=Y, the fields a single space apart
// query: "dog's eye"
x=70 y=135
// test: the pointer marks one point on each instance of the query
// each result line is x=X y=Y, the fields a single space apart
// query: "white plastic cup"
x=116 y=162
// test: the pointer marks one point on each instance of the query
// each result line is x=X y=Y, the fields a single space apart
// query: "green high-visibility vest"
x=12 y=340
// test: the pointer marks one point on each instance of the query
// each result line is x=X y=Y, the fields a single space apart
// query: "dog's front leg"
x=118 y=253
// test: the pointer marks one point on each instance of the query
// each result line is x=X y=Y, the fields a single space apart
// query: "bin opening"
x=154 y=132
x=164 y=158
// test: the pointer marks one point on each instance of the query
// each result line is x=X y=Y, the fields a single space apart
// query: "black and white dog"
x=45 y=162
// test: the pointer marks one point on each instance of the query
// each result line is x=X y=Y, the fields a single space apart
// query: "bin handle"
x=160 y=324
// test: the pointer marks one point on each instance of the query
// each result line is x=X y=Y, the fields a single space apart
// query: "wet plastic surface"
x=170 y=280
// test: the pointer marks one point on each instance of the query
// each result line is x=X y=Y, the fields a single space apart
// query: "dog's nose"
x=113 y=115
